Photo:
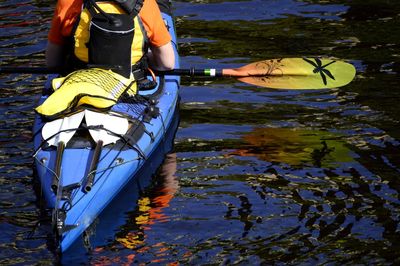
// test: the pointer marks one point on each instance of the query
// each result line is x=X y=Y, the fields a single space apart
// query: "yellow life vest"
x=82 y=33
x=94 y=87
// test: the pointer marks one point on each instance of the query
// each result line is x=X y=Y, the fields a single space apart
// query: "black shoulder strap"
x=92 y=6
x=131 y=7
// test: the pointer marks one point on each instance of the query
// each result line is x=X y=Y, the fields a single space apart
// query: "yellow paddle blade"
x=295 y=73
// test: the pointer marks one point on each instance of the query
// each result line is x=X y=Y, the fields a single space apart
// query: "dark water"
x=258 y=176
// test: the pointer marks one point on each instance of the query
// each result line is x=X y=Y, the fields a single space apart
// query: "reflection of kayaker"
x=150 y=209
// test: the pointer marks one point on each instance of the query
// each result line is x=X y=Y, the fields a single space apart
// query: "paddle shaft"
x=193 y=72
x=57 y=169
x=93 y=166
x=178 y=72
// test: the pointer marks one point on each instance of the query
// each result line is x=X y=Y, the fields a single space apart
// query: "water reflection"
x=292 y=214
x=255 y=10
x=295 y=147
x=265 y=177
x=150 y=208
x=129 y=243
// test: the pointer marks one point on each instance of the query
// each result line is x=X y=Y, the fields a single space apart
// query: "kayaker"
x=70 y=37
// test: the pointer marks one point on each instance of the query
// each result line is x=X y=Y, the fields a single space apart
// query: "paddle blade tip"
x=304 y=74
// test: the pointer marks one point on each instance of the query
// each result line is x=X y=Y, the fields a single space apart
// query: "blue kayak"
x=100 y=153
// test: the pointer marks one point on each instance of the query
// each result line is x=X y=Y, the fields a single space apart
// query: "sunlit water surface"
x=257 y=176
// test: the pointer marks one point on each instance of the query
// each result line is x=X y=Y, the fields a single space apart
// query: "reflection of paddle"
x=294 y=146
x=100 y=126
x=58 y=133
x=284 y=73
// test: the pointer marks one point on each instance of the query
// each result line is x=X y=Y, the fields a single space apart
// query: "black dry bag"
x=111 y=37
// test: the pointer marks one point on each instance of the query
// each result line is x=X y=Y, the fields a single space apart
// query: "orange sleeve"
x=65 y=15
x=67 y=12
x=153 y=23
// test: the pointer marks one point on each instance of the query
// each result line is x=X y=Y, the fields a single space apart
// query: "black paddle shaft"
x=192 y=72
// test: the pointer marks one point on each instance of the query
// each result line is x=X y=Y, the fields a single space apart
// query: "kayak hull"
x=64 y=174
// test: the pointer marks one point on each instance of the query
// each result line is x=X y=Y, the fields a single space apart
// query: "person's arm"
x=161 y=55
x=65 y=14
x=55 y=56
x=162 y=58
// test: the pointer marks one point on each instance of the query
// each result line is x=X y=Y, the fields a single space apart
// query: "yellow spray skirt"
x=94 y=87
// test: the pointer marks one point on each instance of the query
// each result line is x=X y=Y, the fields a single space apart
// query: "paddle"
x=285 y=73
x=105 y=127
x=58 y=133
x=61 y=130
x=102 y=125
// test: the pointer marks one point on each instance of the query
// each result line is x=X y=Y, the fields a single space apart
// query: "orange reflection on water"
x=151 y=211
